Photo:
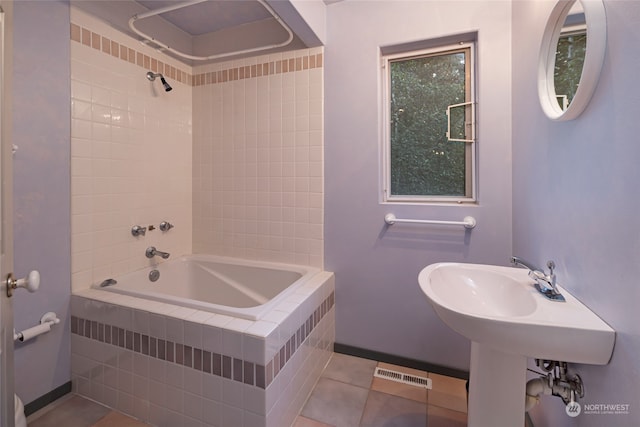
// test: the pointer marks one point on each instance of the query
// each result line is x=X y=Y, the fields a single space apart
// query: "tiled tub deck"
x=172 y=366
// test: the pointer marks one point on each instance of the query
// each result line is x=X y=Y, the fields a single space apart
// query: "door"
x=6 y=223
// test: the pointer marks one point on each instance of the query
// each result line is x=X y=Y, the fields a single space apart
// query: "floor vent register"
x=403 y=378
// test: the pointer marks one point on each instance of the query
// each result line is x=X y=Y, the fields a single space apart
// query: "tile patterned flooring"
x=347 y=395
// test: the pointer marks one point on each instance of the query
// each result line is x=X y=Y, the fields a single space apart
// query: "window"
x=429 y=125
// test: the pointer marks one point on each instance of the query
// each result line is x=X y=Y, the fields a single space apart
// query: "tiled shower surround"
x=173 y=366
x=232 y=155
x=131 y=155
x=258 y=158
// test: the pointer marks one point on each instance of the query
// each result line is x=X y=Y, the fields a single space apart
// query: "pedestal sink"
x=508 y=321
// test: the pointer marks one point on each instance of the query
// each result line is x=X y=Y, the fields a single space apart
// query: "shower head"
x=152 y=76
x=166 y=85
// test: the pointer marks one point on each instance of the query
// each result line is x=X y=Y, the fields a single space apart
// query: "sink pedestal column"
x=497 y=387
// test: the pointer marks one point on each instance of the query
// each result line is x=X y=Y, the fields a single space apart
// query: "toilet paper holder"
x=46 y=321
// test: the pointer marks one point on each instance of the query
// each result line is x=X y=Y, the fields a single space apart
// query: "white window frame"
x=385 y=140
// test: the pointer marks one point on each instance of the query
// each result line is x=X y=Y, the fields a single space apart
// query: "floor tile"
x=443 y=417
x=116 y=419
x=448 y=392
x=350 y=370
x=336 y=403
x=386 y=410
x=308 y=422
x=419 y=394
x=74 y=412
x=345 y=396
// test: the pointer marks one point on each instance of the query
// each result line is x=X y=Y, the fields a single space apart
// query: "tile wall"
x=131 y=152
x=172 y=366
x=258 y=158
x=233 y=156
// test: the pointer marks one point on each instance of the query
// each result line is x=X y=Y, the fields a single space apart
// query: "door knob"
x=30 y=283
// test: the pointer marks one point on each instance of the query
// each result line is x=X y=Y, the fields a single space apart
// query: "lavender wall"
x=41 y=130
x=378 y=301
x=576 y=200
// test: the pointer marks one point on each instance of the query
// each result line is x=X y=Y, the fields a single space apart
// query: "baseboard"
x=400 y=361
x=47 y=398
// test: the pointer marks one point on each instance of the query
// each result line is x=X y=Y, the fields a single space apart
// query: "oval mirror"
x=571 y=56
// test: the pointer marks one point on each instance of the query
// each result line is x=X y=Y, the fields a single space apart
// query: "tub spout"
x=108 y=282
x=152 y=251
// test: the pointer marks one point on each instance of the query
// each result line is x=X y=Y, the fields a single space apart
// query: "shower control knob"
x=31 y=283
x=136 y=230
x=165 y=226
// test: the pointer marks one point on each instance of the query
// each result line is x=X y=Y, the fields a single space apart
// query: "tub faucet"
x=545 y=283
x=152 y=251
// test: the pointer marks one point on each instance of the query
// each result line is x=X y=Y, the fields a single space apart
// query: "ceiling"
x=210 y=16
x=209 y=28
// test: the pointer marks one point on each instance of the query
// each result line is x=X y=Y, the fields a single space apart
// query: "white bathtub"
x=235 y=287
x=274 y=355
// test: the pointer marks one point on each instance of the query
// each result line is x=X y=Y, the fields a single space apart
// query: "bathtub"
x=246 y=351
x=229 y=286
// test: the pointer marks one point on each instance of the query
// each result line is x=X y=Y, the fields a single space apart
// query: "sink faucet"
x=545 y=283
x=152 y=251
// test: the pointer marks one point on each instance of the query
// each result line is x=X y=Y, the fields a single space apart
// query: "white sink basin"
x=499 y=307
x=508 y=321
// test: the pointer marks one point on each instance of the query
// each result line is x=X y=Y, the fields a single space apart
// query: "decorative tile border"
x=257 y=70
x=103 y=44
x=201 y=360
x=109 y=47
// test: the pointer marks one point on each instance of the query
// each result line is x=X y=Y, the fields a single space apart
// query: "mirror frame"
x=594 y=57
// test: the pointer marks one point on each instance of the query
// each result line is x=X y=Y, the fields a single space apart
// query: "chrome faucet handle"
x=552 y=276
x=551 y=265
x=165 y=226
x=137 y=230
